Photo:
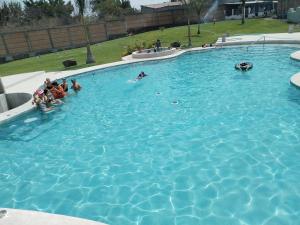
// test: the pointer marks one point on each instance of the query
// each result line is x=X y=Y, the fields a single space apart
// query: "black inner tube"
x=244 y=66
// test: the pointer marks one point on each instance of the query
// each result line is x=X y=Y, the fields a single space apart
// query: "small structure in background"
x=253 y=9
x=161 y=7
x=293 y=16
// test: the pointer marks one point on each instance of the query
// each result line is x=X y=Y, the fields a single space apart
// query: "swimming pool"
x=195 y=142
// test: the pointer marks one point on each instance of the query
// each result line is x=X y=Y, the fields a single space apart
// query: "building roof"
x=162 y=5
x=249 y=2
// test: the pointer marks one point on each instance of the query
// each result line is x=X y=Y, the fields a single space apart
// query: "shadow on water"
x=28 y=126
x=242 y=76
x=294 y=94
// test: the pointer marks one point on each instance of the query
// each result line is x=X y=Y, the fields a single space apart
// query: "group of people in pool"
x=51 y=94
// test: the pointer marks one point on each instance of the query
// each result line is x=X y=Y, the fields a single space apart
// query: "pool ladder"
x=257 y=41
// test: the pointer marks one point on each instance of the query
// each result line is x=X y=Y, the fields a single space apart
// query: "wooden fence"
x=14 y=45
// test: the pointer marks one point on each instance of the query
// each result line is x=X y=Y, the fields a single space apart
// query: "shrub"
x=128 y=51
x=175 y=44
x=144 y=44
x=150 y=45
x=184 y=46
x=138 y=46
x=161 y=28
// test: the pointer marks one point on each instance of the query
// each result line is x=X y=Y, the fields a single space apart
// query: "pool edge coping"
x=31 y=217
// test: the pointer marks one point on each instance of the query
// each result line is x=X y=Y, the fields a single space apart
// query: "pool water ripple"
x=195 y=142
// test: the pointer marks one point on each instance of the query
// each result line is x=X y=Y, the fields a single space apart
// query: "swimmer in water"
x=141 y=76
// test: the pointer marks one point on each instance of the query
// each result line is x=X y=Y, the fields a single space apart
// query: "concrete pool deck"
x=29 y=82
x=26 y=217
x=277 y=38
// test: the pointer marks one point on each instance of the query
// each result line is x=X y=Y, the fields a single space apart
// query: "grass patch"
x=111 y=51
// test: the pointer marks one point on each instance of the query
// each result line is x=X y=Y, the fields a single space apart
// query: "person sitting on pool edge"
x=141 y=76
x=75 y=86
x=41 y=100
x=48 y=83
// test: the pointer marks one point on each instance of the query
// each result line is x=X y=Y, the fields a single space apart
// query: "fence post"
x=70 y=37
x=29 y=45
x=8 y=57
x=51 y=40
x=173 y=19
x=125 y=24
x=144 y=20
x=5 y=45
x=105 y=29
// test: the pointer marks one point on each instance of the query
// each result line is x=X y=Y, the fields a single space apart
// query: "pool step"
x=26 y=217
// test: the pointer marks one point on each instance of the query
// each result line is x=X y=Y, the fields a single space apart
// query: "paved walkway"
x=278 y=38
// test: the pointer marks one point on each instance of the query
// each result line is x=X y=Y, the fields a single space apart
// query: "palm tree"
x=198 y=6
x=187 y=6
x=243 y=11
x=81 y=4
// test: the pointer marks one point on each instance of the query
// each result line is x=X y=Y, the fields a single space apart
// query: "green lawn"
x=111 y=51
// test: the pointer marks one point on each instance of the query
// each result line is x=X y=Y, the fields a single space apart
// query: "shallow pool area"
x=194 y=142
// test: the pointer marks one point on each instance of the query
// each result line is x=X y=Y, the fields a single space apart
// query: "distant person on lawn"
x=157 y=45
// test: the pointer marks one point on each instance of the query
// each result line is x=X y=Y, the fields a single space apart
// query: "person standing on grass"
x=157 y=45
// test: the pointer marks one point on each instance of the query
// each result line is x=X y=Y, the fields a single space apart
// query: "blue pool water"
x=195 y=142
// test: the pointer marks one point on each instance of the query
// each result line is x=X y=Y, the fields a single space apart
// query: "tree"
x=58 y=8
x=36 y=10
x=4 y=14
x=198 y=7
x=15 y=12
x=81 y=4
x=112 y=7
x=243 y=11
x=187 y=6
x=11 y=13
